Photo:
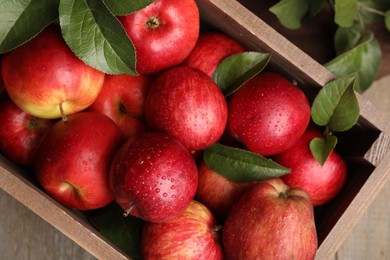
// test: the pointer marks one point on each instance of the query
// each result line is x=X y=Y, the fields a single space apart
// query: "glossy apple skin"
x=74 y=158
x=44 y=73
x=163 y=33
x=217 y=192
x=153 y=177
x=209 y=51
x=187 y=104
x=194 y=234
x=271 y=221
x=268 y=114
x=122 y=99
x=20 y=132
x=322 y=183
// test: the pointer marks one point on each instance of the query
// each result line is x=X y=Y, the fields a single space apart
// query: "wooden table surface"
x=25 y=236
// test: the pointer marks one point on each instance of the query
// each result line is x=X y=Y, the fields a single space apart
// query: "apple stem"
x=123 y=109
x=127 y=211
x=63 y=116
x=153 y=22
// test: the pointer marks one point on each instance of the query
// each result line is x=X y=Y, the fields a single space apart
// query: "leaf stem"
x=370 y=9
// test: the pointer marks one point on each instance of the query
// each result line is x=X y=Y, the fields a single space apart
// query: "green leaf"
x=361 y=62
x=125 y=7
x=237 y=69
x=290 y=12
x=322 y=147
x=123 y=232
x=345 y=12
x=336 y=105
x=240 y=165
x=315 y=6
x=346 y=38
x=96 y=36
x=21 y=20
x=387 y=20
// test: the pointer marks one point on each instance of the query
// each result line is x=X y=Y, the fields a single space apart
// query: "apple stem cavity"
x=283 y=195
x=63 y=115
x=153 y=22
x=127 y=211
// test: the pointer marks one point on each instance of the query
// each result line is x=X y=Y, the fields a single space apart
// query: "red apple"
x=268 y=114
x=122 y=99
x=163 y=33
x=187 y=104
x=194 y=234
x=217 y=192
x=322 y=183
x=74 y=158
x=1 y=79
x=20 y=133
x=44 y=78
x=153 y=177
x=210 y=49
x=271 y=221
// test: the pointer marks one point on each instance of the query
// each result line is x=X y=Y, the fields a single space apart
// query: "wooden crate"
x=366 y=145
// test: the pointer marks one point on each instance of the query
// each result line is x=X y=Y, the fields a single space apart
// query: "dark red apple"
x=163 y=33
x=73 y=160
x=322 y=183
x=122 y=98
x=271 y=221
x=218 y=193
x=153 y=177
x=268 y=114
x=210 y=49
x=194 y=234
x=187 y=104
x=1 y=79
x=44 y=78
x=20 y=132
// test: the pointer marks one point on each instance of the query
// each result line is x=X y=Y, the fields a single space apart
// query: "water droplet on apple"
x=164 y=177
x=173 y=187
x=157 y=190
x=165 y=194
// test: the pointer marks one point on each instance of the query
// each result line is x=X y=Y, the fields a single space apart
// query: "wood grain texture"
x=25 y=235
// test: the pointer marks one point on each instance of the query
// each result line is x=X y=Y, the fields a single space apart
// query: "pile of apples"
x=91 y=138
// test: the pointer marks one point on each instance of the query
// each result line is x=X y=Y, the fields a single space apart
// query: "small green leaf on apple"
x=336 y=105
x=322 y=147
x=240 y=165
x=125 y=7
x=96 y=36
x=290 y=12
x=123 y=232
x=237 y=69
x=22 y=20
